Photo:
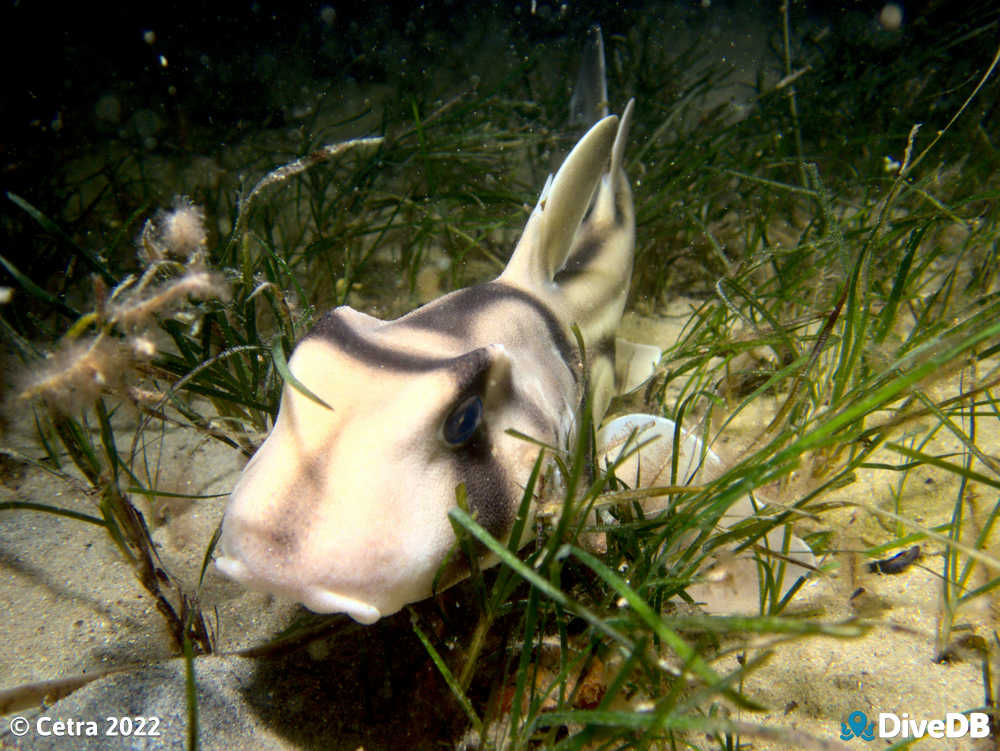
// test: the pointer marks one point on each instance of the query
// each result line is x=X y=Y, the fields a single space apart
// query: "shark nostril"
x=249 y=537
x=280 y=542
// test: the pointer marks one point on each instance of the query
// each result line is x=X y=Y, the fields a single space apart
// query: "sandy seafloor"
x=71 y=606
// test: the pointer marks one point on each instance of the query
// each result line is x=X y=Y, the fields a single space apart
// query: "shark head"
x=344 y=508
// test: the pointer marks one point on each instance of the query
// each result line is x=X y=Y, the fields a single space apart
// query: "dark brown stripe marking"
x=486 y=486
x=335 y=329
x=453 y=314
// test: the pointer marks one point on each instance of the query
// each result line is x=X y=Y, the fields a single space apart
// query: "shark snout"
x=248 y=558
x=316 y=598
x=346 y=509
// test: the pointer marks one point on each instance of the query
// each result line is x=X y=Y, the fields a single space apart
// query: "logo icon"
x=857 y=727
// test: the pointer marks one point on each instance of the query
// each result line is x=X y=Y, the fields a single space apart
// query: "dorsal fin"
x=618 y=150
x=547 y=237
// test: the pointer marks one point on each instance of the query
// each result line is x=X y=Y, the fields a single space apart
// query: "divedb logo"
x=891 y=725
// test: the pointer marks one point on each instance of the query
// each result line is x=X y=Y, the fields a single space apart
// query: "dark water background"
x=175 y=81
x=237 y=66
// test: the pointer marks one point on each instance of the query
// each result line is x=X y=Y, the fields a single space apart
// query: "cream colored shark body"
x=346 y=509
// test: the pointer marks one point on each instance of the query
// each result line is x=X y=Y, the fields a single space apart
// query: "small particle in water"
x=327 y=15
x=890 y=165
x=149 y=37
x=143 y=347
x=108 y=109
x=890 y=18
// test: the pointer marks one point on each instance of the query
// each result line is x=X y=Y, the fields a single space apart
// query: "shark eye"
x=461 y=424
